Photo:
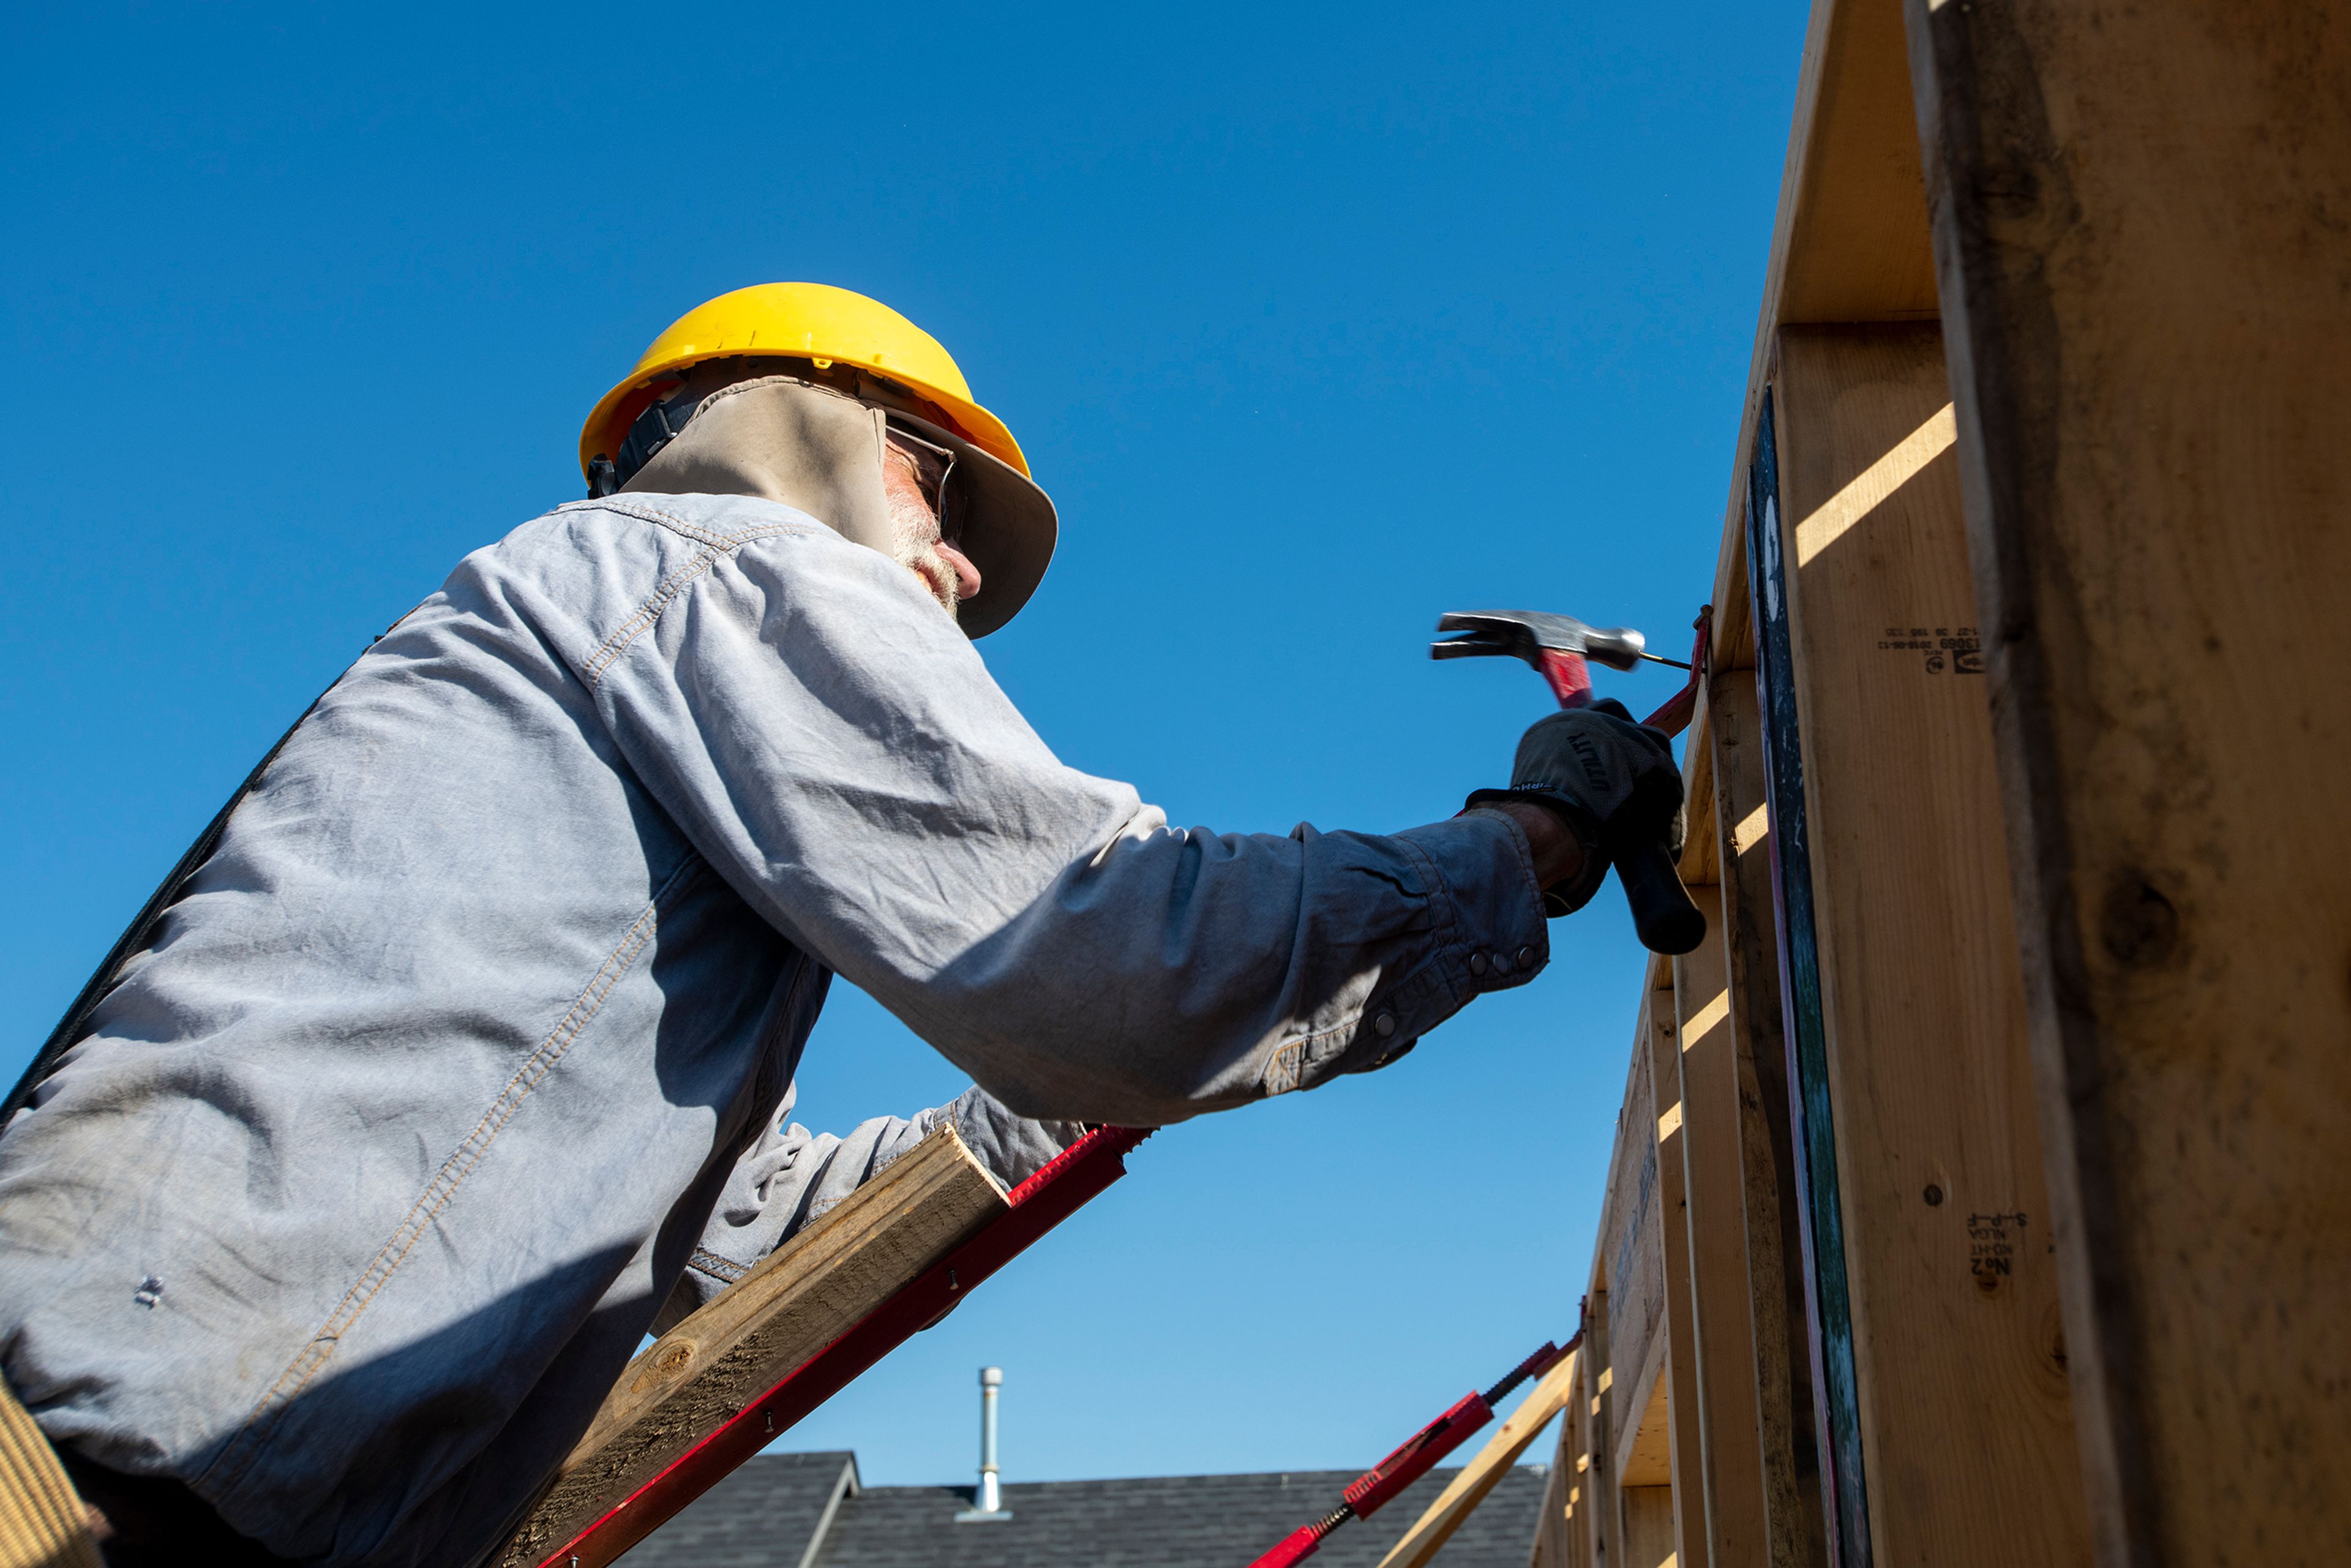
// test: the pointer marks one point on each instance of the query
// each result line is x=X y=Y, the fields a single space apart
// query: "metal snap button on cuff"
x=1384 y=1024
x=1478 y=965
x=1526 y=957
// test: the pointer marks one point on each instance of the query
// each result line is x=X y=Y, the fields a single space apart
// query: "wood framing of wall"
x=1977 y=1193
x=1951 y=1273
x=2140 y=230
x=1839 y=1160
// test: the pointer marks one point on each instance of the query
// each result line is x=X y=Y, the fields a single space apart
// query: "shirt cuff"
x=1488 y=933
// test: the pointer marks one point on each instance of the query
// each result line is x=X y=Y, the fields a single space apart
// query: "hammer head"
x=1527 y=634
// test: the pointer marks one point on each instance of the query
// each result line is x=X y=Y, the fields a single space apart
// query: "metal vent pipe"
x=990 y=1502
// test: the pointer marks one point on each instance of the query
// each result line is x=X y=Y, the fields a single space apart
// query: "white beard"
x=914 y=534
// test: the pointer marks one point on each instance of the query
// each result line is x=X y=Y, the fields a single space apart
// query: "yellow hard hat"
x=1010 y=528
x=806 y=321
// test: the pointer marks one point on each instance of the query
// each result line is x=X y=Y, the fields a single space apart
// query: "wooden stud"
x=1850 y=242
x=1632 y=1238
x=2139 y=216
x=1721 y=1344
x=1785 y=1426
x=1553 y=1547
x=1644 y=1458
x=1964 y=1406
x=1648 y=1526
x=1575 y=1434
x=1599 y=1480
x=1678 y=1382
x=1812 y=1114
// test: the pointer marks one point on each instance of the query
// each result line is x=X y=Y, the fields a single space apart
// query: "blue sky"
x=1316 y=322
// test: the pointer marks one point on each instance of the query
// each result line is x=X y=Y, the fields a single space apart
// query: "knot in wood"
x=2139 y=926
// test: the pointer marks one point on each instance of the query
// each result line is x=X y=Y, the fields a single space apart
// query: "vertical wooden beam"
x=1721 y=1344
x=1648 y=1526
x=1581 y=1540
x=1575 y=1537
x=1963 y=1404
x=1551 y=1546
x=1632 y=1243
x=1827 y=1292
x=2139 y=224
x=1785 y=1422
x=1599 y=1474
x=1685 y=1420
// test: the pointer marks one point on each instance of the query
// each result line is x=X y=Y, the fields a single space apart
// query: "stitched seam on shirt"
x=666 y=594
x=678 y=525
x=711 y=1264
x=314 y=1355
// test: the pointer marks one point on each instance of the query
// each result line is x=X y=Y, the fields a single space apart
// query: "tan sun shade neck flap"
x=820 y=451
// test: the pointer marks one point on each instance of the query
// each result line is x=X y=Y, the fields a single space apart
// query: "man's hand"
x=1609 y=781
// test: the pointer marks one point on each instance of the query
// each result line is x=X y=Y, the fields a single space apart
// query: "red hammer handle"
x=1570 y=677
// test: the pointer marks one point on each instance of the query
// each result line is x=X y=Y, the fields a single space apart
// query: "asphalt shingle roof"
x=767 y=1514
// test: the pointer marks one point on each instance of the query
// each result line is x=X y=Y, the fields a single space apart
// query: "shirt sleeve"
x=834 y=746
x=791 y=1176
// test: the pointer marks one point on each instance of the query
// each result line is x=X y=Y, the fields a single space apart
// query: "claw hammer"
x=1562 y=649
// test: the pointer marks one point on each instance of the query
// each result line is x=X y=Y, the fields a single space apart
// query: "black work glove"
x=1611 y=780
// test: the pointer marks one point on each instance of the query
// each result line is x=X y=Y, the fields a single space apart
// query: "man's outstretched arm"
x=836 y=747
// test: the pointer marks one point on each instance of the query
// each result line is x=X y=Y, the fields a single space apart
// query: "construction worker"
x=464 y=1057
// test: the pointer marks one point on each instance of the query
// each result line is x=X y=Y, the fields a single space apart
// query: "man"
x=464 y=1057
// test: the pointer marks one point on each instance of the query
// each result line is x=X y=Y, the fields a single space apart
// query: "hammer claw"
x=1470 y=645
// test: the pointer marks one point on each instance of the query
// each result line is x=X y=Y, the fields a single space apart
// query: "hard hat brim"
x=617 y=409
x=1009 y=529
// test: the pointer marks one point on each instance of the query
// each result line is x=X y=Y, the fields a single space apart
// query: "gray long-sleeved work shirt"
x=471 y=1048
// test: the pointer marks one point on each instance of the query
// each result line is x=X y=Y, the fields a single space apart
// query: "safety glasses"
x=932 y=463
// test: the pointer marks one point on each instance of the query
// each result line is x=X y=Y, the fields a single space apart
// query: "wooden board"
x=1785 y=1428
x=1859 y=248
x=1478 y=1477
x=1646 y=1456
x=1597 y=1537
x=1555 y=1547
x=1721 y=1348
x=2139 y=217
x=700 y=1375
x=1698 y=862
x=1575 y=1432
x=1851 y=241
x=1648 y=1526
x=1678 y=1379
x=1811 y=1111
x=1630 y=1237
x=1964 y=1412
